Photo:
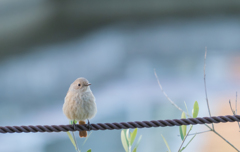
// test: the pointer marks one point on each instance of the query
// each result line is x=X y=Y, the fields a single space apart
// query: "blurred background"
x=116 y=45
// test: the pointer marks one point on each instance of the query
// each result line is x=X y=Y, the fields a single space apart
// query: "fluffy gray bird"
x=80 y=103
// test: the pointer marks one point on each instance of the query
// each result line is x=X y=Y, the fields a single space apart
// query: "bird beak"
x=89 y=84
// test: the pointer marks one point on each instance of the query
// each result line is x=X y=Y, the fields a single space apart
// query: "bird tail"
x=82 y=133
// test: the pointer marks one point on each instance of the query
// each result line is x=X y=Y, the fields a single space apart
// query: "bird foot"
x=89 y=126
x=74 y=125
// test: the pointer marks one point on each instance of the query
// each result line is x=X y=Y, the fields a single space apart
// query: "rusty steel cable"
x=122 y=125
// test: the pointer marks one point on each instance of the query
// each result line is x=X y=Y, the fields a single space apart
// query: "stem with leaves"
x=179 y=150
x=128 y=138
x=189 y=115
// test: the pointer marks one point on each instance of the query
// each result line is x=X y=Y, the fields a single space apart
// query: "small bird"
x=80 y=103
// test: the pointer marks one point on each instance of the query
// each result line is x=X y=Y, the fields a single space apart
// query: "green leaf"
x=184 y=130
x=130 y=134
x=124 y=140
x=86 y=138
x=135 y=150
x=183 y=115
x=137 y=144
x=195 y=109
x=165 y=141
x=181 y=134
x=89 y=150
x=182 y=149
x=183 y=127
x=133 y=136
x=71 y=121
x=72 y=140
x=127 y=136
x=191 y=126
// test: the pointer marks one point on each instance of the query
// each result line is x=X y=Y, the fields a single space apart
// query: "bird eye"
x=79 y=84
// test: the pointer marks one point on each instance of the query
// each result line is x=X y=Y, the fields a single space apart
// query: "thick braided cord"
x=122 y=125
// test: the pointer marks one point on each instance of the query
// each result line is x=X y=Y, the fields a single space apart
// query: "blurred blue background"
x=116 y=45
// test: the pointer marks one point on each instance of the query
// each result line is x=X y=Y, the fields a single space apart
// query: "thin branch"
x=190 y=140
x=75 y=142
x=186 y=107
x=231 y=107
x=86 y=138
x=185 y=138
x=205 y=86
x=191 y=116
x=236 y=110
x=236 y=105
x=199 y=132
x=226 y=140
x=159 y=84
x=168 y=97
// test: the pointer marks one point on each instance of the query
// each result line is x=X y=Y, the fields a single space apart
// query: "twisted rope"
x=122 y=125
